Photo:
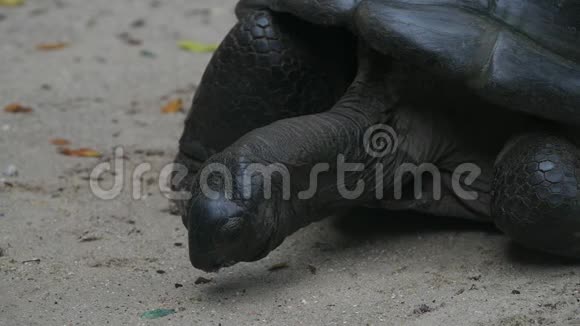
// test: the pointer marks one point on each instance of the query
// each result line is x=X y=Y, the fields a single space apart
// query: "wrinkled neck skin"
x=324 y=138
x=310 y=167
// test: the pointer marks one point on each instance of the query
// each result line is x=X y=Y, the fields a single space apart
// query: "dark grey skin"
x=296 y=83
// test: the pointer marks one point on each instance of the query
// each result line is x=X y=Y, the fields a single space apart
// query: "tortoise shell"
x=523 y=55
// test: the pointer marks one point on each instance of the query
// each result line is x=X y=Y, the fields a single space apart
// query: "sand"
x=69 y=258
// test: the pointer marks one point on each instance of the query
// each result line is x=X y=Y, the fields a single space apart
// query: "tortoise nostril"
x=231 y=230
x=233 y=224
x=214 y=223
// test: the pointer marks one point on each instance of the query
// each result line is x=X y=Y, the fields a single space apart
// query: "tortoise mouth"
x=203 y=263
x=226 y=254
x=215 y=260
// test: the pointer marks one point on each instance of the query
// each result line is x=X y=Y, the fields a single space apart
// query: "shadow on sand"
x=369 y=226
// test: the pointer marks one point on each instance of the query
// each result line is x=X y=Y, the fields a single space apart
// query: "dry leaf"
x=51 y=46
x=81 y=152
x=17 y=108
x=65 y=151
x=197 y=47
x=173 y=107
x=60 y=142
x=11 y=3
x=86 y=152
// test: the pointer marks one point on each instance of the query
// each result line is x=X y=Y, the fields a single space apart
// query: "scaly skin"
x=235 y=226
x=269 y=67
x=537 y=197
x=288 y=84
x=523 y=55
x=227 y=230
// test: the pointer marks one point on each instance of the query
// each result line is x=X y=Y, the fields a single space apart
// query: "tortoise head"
x=224 y=231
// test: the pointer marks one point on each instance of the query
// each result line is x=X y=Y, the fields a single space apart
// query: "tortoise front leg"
x=269 y=67
x=256 y=192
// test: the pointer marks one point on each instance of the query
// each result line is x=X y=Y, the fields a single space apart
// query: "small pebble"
x=312 y=269
x=11 y=171
x=148 y=54
x=475 y=278
x=277 y=267
x=130 y=40
x=138 y=23
x=422 y=309
x=157 y=313
x=33 y=260
x=89 y=238
x=202 y=280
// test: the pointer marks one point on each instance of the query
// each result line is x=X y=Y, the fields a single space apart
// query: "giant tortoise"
x=312 y=107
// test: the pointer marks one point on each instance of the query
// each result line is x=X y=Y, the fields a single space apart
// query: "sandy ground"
x=68 y=258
